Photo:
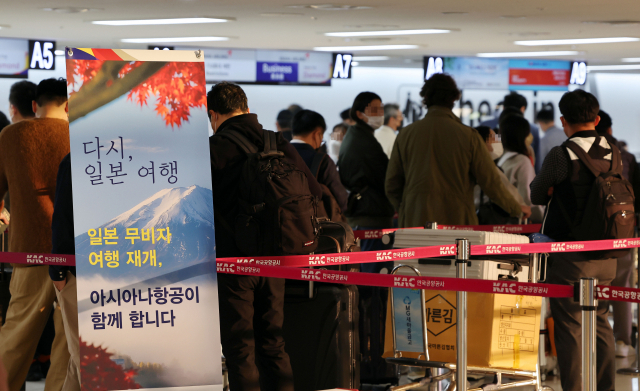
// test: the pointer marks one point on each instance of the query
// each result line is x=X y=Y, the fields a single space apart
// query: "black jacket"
x=363 y=168
x=226 y=163
x=327 y=172
x=62 y=220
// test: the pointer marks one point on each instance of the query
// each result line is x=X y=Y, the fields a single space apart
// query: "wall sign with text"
x=578 y=73
x=432 y=65
x=342 y=65
x=41 y=55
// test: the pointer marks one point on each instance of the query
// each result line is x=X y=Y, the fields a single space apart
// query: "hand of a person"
x=60 y=284
x=526 y=211
x=550 y=192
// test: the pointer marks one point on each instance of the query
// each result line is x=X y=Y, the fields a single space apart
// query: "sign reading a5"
x=41 y=55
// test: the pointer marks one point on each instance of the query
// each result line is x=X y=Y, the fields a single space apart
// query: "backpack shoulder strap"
x=247 y=146
x=270 y=144
x=583 y=156
x=318 y=158
x=616 y=159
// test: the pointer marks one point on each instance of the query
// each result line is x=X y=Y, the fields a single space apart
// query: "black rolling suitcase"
x=321 y=335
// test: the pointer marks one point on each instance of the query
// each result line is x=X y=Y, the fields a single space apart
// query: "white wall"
x=619 y=95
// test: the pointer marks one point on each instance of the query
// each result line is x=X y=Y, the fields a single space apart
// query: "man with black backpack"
x=265 y=201
x=308 y=128
x=588 y=199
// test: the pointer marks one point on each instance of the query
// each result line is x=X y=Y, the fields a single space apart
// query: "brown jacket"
x=434 y=166
x=30 y=153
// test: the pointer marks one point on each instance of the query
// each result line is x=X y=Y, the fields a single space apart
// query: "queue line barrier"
x=587 y=290
x=507 y=229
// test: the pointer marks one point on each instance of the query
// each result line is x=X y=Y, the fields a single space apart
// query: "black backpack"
x=329 y=207
x=609 y=211
x=278 y=213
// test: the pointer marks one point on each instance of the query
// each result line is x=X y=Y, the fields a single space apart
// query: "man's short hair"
x=440 y=90
x=346 y=114
x=294 y=108
x=514 y=99
x=545 y=116
x=306 y=121
x=21 y=96
x=4 y=121
x=605 y=123
x=390 y=111
x=284 y=119
x=579 y=107
x=509 y=111
x=484 y=132
x=51 y=91
x=225 y=98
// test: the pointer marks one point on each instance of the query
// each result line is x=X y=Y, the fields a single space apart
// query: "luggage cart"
x=434 y=383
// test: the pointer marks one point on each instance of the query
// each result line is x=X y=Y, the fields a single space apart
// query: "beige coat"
x=434 y=167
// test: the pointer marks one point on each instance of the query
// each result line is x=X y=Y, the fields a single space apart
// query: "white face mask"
x=498 y=150
x=375 y=122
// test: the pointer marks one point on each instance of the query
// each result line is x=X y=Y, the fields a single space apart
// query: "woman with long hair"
x=516 y=161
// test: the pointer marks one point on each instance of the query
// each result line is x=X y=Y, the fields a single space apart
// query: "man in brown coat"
x=30 y=153
x=436 y=163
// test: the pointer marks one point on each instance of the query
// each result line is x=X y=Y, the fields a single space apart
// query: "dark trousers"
x=622 y=310
x=251 y=316
x=568 y=268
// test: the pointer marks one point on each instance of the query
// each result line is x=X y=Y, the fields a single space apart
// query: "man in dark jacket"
x=564 y=182
x=64 y=277
x=622 y=312
x=308 y=129
x=251 y=308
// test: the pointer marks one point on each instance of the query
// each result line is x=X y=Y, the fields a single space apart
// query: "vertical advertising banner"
x=143 y=211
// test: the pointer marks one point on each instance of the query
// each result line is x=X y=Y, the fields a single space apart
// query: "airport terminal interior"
x=295 y=57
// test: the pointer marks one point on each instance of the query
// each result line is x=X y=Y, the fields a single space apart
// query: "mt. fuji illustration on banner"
x=143 y=218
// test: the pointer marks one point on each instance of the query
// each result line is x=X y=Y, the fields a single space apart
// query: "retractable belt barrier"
x=507 y=229
x=288 y=267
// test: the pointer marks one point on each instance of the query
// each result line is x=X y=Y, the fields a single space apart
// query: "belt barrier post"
x=635 y=369
x=462 y=259
x=589 y=304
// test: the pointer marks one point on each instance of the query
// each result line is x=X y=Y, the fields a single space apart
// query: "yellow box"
x=503 y=331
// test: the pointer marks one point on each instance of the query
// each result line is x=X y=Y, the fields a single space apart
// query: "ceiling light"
x=531 y=54
x=578 y=41
x=591 y=68
x=370 y=47
x=70 y=10
x=172 y=40
x=370 y=58
x=355 y=63
x=280 y=14
x=59 y=52
x=635 y=59
x=331 y=7
x=386 y=33
x=143 y=22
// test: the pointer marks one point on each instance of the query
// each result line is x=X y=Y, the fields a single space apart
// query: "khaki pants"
x=68 y=299
x=32 y=299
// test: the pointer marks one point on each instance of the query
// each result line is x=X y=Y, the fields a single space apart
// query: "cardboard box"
x=503 y=331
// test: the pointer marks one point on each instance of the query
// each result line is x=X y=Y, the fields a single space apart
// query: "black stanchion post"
x=462 y=260
x=589 y=304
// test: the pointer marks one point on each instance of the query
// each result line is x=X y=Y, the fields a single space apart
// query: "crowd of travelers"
x=506 y=171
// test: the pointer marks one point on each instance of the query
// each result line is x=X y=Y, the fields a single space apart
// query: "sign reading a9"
x=41 y=54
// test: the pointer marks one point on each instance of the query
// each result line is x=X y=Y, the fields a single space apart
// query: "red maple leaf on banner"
x=175 y=86
x=100 y=373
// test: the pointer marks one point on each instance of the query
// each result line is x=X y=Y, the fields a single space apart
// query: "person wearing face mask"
x=335 y=141
x=516 y=162
x=308 y=128
x=363 y=165
x=490 y=211
x=436 y=163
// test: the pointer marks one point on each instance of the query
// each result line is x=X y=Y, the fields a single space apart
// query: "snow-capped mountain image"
x=186 y=211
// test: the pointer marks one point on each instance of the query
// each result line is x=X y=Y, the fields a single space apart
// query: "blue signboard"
x=277 y=72
x=407 y=310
